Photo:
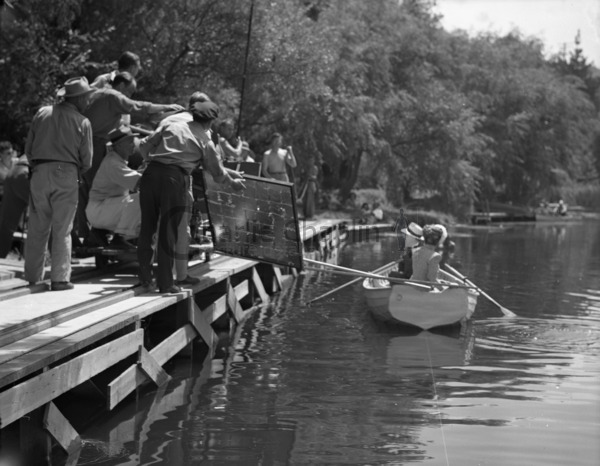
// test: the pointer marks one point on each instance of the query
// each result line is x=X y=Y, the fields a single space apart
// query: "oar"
x=364 y=275
x=348 y=271
x=506 y=312
x=351 y=282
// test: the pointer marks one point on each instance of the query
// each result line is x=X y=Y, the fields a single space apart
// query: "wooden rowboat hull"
x=404 y=304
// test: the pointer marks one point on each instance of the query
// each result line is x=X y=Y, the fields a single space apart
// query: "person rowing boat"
x=426 y=260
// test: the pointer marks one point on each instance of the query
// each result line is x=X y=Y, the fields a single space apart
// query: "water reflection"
x=327 y=384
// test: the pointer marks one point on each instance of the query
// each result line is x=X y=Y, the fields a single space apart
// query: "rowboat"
x=420 y=306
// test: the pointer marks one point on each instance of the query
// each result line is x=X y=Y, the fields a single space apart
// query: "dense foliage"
x=377 y=92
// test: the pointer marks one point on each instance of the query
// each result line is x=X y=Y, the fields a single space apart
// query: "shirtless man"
x=275 y=159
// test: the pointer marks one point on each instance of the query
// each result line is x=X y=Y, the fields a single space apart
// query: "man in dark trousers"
x=174 y=150
x=59 y=149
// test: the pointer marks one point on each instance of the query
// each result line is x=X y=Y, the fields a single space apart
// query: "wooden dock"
x=98 y=334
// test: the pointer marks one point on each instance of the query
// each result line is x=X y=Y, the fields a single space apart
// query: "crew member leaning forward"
x=174 y=150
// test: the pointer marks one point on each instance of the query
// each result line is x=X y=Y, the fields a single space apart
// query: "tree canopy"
x=378 y=93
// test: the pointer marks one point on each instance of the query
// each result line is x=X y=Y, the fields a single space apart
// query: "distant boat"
x=419 y=306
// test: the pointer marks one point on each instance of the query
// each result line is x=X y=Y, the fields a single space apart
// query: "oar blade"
x=507 y=312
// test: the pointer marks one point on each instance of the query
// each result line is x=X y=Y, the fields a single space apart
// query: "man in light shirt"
x=174 y=150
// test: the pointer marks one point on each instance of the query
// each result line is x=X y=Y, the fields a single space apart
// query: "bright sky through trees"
x=555 y=22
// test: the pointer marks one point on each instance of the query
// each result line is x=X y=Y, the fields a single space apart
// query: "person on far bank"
x=231 y=145
x=309 y=196
x=275 y=159
x=59 y=149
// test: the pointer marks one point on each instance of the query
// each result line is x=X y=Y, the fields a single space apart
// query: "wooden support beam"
x=259 y=287
x=234 y=304
x=73 y=459
x=34 y=443
x=59 y=427
x=152 y=368
x=202 y=325
x=278 y=277
x=36 y=392
x=127 y=382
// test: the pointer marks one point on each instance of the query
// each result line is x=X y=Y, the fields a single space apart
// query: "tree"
x=39 y=50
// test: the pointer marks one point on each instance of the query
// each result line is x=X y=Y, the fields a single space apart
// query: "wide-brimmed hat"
x=414 y=230
x=75 y=87
x=205 y=110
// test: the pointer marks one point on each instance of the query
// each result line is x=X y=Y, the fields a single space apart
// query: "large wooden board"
x=249 y=168
x=259 y=223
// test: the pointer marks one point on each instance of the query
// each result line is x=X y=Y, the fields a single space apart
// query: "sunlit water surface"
x=326 y=384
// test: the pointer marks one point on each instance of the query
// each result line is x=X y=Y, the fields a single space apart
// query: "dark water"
x=326 y=384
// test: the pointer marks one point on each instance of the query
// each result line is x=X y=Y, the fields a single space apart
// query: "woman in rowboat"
x=426 y=261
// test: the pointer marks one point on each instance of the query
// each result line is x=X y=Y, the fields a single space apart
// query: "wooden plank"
x=202 y=325
x=59 y=347
x=59 y=427
x=151 y=368
x=259 y=287
x=241 y=290
x=11 y=283
x=234 y=265
x=127 y=382
x=215 y=310
x=31 y=394
x=29 y=325
x=64 y=329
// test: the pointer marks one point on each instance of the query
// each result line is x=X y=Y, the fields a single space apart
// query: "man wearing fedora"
x=111 y=206
x=59 y=149
x=174 y=151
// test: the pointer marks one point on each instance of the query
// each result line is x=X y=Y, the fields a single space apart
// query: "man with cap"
x=59 y=149
x=184 y=234
x=111 y=205
x=174 y=150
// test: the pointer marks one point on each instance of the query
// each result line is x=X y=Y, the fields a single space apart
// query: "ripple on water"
x=538 y=379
